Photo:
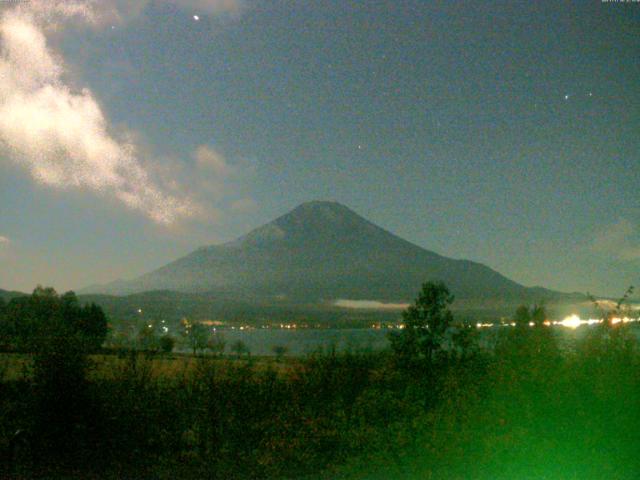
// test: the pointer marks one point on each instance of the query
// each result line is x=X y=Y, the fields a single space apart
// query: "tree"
x=538 y=314
x=425 y=324
x=60 y=399
x=613 y=339
x=148 y=339
x=620 y=309
x=240 y=348
x=464 y=339
x=57 y=329
x=216 y=344
x=31 y=319
x=522 y=316
x=167 y=343
x=531 y=342
x=525 y=315
x=198 y=336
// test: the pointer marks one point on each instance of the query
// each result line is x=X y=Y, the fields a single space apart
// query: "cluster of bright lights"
x=288 y=326
x=572 y=321
x=614 y=321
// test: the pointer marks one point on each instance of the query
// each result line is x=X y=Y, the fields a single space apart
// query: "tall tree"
x=93 y=325
x=538 y=314
x=522 y=316
x=425 y=324
x=31 y=320
x=198 y=336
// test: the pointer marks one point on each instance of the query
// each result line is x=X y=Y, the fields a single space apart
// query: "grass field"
x=526 y=411
x=16 y=366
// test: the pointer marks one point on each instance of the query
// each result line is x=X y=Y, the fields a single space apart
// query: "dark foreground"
x=525 y=411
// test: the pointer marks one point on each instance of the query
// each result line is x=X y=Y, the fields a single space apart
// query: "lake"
x=303 y=341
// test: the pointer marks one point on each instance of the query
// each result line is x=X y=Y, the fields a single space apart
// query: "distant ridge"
x=318 y=252
x=7 y=295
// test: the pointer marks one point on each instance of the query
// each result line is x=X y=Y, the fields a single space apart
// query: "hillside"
x=319 y=252
x=7 y=295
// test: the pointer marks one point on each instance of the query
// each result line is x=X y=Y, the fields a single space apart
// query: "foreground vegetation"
x=525 y=410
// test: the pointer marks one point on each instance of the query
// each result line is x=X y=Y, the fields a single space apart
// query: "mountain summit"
x=322 y=251
x=313 y=224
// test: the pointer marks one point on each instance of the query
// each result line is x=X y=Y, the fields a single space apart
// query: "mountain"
x=319 y=252
x=7 y=295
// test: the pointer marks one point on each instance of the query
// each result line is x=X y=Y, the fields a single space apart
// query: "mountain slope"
x=323 y=251
x=7 y=295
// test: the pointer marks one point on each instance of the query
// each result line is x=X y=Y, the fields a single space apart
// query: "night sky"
x=132 y=132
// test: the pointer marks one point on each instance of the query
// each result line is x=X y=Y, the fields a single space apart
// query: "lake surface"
x=309 y=340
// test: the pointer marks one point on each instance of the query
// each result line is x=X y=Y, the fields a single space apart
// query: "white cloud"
x=60 y=134
x=621 y=240
x=208 y=158
x=211 y=180
x=4 y=240
x=53 y=11
x=369 y=304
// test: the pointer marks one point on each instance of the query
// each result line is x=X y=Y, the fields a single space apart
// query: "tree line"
x=30 y=322
x=434 y=406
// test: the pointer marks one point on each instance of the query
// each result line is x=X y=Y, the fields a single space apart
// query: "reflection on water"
x=309 y=340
